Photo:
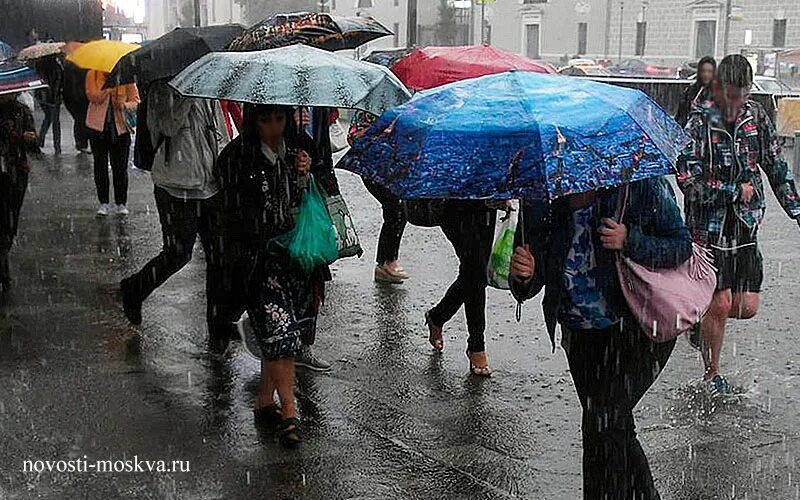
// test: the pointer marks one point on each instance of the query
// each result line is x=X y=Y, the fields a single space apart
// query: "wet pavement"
x=392 y=420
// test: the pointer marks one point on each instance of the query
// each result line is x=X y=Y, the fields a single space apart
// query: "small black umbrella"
x=171 y=53
x=322 y=31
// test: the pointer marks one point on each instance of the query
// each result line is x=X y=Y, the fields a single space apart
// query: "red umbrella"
x=430 y=67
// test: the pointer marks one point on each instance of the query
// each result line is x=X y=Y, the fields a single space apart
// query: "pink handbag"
x=667 y=302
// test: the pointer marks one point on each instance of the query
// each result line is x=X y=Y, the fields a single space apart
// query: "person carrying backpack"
x=187 y=135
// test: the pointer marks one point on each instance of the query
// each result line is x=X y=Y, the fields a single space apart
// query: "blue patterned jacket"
x=657 y=238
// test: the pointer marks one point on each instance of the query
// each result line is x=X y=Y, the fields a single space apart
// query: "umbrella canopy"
x=171 y=53
x=323 y=31
x=16 y=77
x=430 y=67
x=40 y=50
x=100 y=55
x=296 y=75
x=517 y=135
x=6 y=51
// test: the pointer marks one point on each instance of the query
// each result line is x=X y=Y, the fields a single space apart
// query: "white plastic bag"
x=503 y=248
x=26 y=98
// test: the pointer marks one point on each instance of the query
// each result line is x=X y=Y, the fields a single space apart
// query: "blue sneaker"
x=719 y=385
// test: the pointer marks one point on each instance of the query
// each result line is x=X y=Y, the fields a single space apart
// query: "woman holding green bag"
x=262 y=178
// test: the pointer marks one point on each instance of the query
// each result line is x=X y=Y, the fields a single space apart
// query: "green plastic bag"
x=312 y=241
x=502 y=249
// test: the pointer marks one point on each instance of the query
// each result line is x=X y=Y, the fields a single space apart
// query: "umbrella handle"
x=521 y=223
x=521 y=230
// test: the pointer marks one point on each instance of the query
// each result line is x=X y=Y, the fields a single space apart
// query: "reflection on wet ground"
x=393 y=419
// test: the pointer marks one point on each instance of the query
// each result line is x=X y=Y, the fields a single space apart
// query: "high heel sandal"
x=480 y=371
x=289 y=433
x=435 y=336
x=268 y=415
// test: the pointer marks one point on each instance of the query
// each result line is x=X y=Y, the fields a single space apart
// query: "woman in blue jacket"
x=568 y=248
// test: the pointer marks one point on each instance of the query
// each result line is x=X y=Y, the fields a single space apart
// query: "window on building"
x=396 y=29
x=641 y=37
x=779 y=33
x=397 y=3
x=705 y=33
x=525 y=2
x=532 y=41
x=364 y=4
x=333 y=4
x=582 y=28
x=487 y=33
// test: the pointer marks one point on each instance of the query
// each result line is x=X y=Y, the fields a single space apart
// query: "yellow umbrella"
x=100 y=55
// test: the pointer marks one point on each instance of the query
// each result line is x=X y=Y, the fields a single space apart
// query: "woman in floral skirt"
x=262 y=176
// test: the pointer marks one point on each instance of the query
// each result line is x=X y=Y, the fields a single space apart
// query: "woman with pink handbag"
x=570 y=247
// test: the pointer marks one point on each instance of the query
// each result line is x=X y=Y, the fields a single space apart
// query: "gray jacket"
x=187 y=134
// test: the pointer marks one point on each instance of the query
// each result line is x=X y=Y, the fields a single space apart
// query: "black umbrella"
x=323 y=31
x=171 y=53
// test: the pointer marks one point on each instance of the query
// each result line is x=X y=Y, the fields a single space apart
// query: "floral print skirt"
x=283 y=311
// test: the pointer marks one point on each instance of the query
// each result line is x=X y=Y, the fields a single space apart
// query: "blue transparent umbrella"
x=517 y=135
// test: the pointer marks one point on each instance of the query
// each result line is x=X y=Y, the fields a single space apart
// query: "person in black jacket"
x=52 y=70
x=17 y=139
x=261 y=176
x=76 y=102
x=568 y=249
x=706 y=68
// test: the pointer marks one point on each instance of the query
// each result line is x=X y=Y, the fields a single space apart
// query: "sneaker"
x=131 y=306
x=695 y=339
x=385 y=275
x=249 y=340
x=121 y=209
x=719 y=385
x=104 y=210
x=307 y=359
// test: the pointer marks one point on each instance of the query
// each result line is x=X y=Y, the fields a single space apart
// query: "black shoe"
x=223 y=331
x=131 y=305
x=695 y=337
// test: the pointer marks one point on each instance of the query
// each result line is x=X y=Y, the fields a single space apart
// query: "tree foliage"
x=447 y=26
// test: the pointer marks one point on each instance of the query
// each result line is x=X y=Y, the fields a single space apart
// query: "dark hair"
x=735 y=70
x=252 y=112
x=705 y=60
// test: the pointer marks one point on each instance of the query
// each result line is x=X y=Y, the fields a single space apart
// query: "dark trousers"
x=13 y=185
x=471 y=234
x=394 y=222
x=52 y=116
x=80 y=133
x=612 y=370
x=181 y=222
x=114 y=148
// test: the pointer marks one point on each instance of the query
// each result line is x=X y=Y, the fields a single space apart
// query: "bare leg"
x=394 y=265
x=744 y=305
x=713 y=328
x=266 y=389
x=282 y=373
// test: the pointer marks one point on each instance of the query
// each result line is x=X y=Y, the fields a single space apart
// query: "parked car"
x=687 y=70
x=770 y=85
x=587 y=70
x=639 y=68
x=581 y=62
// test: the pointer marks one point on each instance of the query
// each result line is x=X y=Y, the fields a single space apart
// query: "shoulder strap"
x=622 y=201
